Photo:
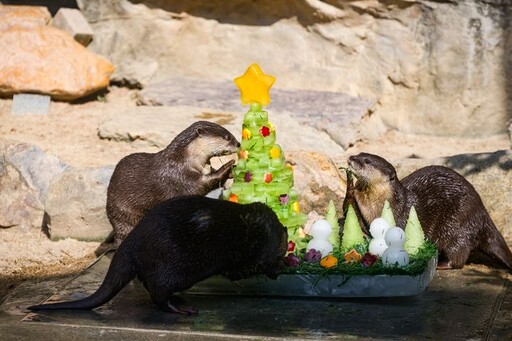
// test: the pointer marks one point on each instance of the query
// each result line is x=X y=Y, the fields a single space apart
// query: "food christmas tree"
x=261 y=174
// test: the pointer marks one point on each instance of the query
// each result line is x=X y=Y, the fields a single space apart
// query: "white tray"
x=320 y=286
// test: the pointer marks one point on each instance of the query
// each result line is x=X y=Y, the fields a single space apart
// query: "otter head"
x=376 y=182
x=371 y=170
x=202 y=141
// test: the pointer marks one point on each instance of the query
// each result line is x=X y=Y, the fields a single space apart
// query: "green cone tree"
x=387 y=213
x=414 y=235
x=352 y=233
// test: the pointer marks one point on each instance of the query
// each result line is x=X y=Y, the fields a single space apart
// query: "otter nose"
x=238 y=144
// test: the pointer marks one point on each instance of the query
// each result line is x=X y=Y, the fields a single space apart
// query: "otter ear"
x=200 y=132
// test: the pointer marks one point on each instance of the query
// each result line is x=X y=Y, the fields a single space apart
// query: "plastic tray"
x=321 y=286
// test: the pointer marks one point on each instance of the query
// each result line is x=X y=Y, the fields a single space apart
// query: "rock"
x=433 y=67
x=30 y=104
x=48 y=61
x=159 y=125
x=72 y=21
x=76 y=203
x=25 y=174
x=489 y=173
x=509 y=125
x=23 y=16
x=337 y=114
x=318 y=181
x=155 y=126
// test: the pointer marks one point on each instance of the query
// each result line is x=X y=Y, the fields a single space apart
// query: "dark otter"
x=142 y=180
x=185 y=240
x=450 y=210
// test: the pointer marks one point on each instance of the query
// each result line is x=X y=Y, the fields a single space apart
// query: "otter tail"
x=496 y=247
x=121 y=271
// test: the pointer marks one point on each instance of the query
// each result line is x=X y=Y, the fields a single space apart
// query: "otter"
x=142 y=180
x=450 y=210
x=185 y=240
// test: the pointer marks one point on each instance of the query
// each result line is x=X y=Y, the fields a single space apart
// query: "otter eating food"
x=185 y=240
x=142 y=180
x=450 y=210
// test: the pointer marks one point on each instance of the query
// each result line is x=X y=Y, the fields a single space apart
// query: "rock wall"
x=433 y=67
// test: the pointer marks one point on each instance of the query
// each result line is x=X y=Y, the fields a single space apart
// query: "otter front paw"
x=224 y=172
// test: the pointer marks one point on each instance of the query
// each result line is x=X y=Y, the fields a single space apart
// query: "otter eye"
x=367 y=161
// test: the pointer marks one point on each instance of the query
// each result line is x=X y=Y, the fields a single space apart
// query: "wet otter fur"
x=448 y=206
x=142 y=180
x=185 y=240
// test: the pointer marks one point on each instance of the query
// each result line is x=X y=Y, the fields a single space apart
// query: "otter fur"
x=142 y=180
x=185 y=240
x=449 y=208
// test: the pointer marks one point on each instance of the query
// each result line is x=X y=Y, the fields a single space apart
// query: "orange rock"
x=49 y=61
x=23 y=16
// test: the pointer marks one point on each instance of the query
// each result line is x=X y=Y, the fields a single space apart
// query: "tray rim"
x=318 y=287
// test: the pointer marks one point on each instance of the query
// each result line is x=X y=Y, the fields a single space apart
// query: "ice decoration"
x=378 y=229
x=320 y=231
x=395 y=254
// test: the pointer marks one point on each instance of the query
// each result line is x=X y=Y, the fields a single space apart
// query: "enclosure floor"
x=473 y=303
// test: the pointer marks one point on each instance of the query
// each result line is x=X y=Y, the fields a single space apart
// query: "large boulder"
x=23 y=16
x=337 y=114
x=75 y=205
x=25 y=175
x=433 y=67
x=158 y=126
x=318 y=180
x=43 y=59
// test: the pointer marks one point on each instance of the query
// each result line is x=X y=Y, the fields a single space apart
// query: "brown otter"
x=450 y=210
x=142 y=180
x=185 y=240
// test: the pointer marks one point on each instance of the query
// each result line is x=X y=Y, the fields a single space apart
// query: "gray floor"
x=474 y=303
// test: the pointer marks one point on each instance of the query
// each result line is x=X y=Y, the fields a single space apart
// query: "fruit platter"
x=322 y=259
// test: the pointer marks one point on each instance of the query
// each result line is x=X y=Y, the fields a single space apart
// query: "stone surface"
x=25 y=175
x=433 y=67
x=337 y=114
x=467 y=304
x=48 y=61
x=317 y=180
x=76 y=202
x=509 y=126
x=159 y=125
x=489 y=173
x=72 y=21
x=27 y=104
x=23 y=16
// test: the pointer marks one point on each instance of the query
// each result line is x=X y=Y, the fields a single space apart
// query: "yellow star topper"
x=254 y=86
